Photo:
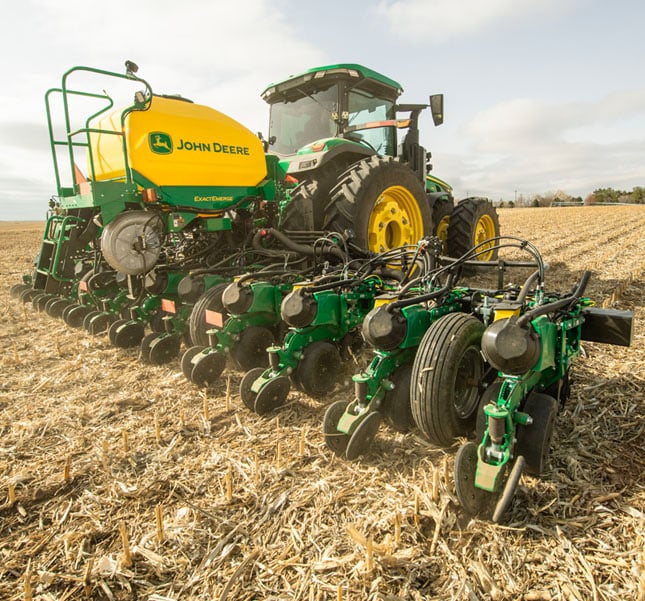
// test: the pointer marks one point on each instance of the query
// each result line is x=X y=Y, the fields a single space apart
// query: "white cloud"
x=435 y=21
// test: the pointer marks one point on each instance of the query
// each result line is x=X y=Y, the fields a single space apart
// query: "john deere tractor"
x=355 y=150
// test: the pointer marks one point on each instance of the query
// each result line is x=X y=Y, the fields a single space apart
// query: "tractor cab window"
x=302 y=119
x=366 y=110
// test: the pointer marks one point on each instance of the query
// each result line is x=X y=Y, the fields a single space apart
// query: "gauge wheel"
x=335 y=440
x=318 y=369
x=251 y=349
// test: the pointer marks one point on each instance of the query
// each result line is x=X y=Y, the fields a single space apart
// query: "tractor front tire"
x=472 y=222
x=383 y=202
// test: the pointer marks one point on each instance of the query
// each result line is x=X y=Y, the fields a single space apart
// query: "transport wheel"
x=251 y=349
x=396 y=402
x=246 y=394
x=211 y=300
x=447 y=374
x=510 y=487
x=17 y=289
x=187 y=360
x=76 y=315
x=164 y=348
x=101 y=323
x=127 y=334
x=272 y=395
x=383 y=202
x=335 y=440
x=473 y=221
x=131 y=242
x=475 y=501
x=146 y=344
x=318 y=369
x=207 y=368
x=87 y=320
x=363 y=436
x=534 y=441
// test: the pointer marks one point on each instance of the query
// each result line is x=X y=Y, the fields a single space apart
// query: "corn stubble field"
x=123 y=481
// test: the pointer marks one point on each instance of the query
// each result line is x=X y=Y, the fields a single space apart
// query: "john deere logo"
x=160 y=143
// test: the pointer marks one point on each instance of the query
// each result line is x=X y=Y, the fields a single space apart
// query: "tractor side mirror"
x=436 y=106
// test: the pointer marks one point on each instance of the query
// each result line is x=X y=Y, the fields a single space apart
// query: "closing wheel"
x=76 y=315
x=17 y=289
x=473 y=221
x=126 y=333
x=28 y=293
x=318 y=369
x=87 y=320
x=131 y=242
x=246 y=394
x=39 y=301
x=396 y=403
x=383 y=202
x=362 y=437
x=187 y=360
x=207 y=368
x=164 y=348
x=251 y=349
x=56 y=306
x=475 y=501
x=447 y=375
x=146 y=344
x=534 y=441
x=100 y=324
x=272 y=395
x=510 y=487
x=335 y=440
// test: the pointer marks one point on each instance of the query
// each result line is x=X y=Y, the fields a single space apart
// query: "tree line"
x=599 y=196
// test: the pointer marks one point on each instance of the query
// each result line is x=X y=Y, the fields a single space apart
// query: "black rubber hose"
x=555 y=305
x=299 y=248
x=521 y=297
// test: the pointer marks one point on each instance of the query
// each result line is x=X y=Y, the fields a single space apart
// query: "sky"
x=540 y=95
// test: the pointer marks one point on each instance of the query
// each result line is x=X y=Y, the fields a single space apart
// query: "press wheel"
x=100 y=323
x=207 y=368
x=335 y=440
x=76 y=315
x=164 y=348
x=246 y=394
x=56 y=307
x=272 y=395
x=187 y=360
x=362 y=437
x=509 y=489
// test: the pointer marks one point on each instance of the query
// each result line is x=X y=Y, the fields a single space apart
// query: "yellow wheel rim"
x=484 y=230
x=441 y=231
x=395 y=220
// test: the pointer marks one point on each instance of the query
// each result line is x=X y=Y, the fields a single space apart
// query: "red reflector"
x=83 y=286
x=290 y=179
x=213 y=318
x=168 y=306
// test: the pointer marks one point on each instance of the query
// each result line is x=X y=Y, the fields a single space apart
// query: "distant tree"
x=501 y=204
x=511 y=204
x=536 y=202
x=591 y=199
x=638 y=195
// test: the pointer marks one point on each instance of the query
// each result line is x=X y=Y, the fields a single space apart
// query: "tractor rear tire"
x=441 y=212
x=473 y=221
x=447 y=378
x=383 y=202
x=211 y=300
